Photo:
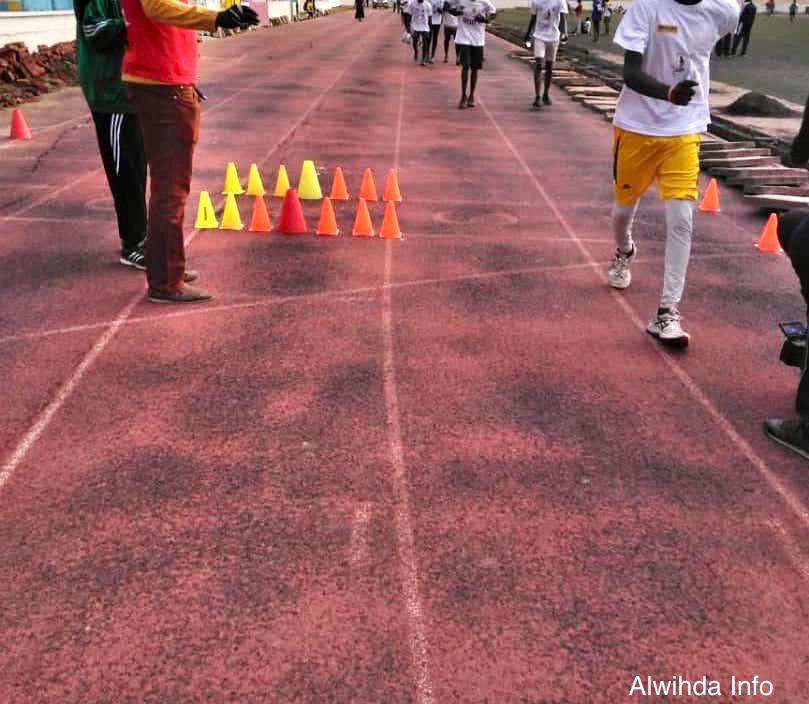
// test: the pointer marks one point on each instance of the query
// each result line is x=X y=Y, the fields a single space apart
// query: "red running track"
x=447 y=469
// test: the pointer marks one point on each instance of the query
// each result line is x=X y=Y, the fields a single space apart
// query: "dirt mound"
x=759 y=105
x=24 y=76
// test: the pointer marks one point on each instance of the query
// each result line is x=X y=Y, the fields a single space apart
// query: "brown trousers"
x=169 y=120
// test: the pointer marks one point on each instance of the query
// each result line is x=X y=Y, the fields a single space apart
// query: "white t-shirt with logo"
x=470 y=31
x=676 y=41
x=420 y=13
x=548 y=13
x=450 y=20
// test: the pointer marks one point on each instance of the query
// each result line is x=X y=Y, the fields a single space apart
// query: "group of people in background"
x=464 y=23
x=601 y=16
x=769 y=7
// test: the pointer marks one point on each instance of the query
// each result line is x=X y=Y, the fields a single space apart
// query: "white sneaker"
x=618 y=274
x=666 y=328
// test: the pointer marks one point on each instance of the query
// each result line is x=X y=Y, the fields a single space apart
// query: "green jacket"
x=100 y=47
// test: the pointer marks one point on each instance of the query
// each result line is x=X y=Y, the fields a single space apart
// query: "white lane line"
x=797 y=558
x=408 y=562
x=44 y=418
x=77 y=122
x=358 y=548
x=84 y=220
x=64 y=392
x=347 y=294
x=788 y=496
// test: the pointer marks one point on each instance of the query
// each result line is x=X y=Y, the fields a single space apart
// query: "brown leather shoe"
x=184 y=294
x=190 y=276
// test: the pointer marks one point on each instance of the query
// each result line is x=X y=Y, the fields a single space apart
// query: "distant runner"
x=470 y=39
x=420 y=12
x=435 y=27
x=661 y=112
x=545 y=20
x=450 y=29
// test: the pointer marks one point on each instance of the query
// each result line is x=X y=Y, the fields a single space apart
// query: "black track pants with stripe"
x=121 y=146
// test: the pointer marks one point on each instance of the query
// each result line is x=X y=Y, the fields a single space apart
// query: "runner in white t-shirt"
x=545 y=18
x=473 y=16
x=435 y=27
x=450 y=29
x=420 y=13
x=661 y=112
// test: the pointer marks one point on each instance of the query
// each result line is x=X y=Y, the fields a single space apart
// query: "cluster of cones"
x=768 y=242
x=291 y=220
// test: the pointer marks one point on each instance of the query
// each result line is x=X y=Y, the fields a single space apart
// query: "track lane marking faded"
x=358 y=547
x=401 y=484
x=44 y=418
x=787 y=495
x=792 y=550
x=340 y=294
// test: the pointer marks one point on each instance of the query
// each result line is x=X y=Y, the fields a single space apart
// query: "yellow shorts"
x=640 y=159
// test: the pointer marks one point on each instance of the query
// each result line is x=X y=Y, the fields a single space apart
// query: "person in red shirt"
x=159 y=73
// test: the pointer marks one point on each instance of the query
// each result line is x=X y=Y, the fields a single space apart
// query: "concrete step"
x=733 y=153
x=579 y=82
x=595 y=89
x=776 y=190
x=764 y=177
x=710 y=162
x=773 y=202
x=601 y=109
x=719 y=145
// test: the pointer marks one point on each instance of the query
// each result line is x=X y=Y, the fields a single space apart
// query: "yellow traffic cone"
x=282 y=183
x=231 y=220
x=232 y=184
x=308 y=184
x=254 y=185
x=206 y=217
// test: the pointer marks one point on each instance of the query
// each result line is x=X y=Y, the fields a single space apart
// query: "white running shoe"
x=618 y=274
x=666 y=328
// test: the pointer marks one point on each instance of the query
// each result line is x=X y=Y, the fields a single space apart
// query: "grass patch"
x=776 y=59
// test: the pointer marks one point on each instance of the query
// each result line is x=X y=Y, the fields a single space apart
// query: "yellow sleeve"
x=179 y=14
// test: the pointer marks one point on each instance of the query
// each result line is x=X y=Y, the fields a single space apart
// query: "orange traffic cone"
x=710 y=203
x=768 y=242
x=363 y=227
x=260 y=222
x=328 y=223
x=368 y=187
x=19 y=128
x=392 y=188
x=338 y=189
x=390 y=225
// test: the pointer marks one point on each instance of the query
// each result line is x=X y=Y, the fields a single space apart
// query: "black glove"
x=682 y=93
x=237 y=17
x=481 y=18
